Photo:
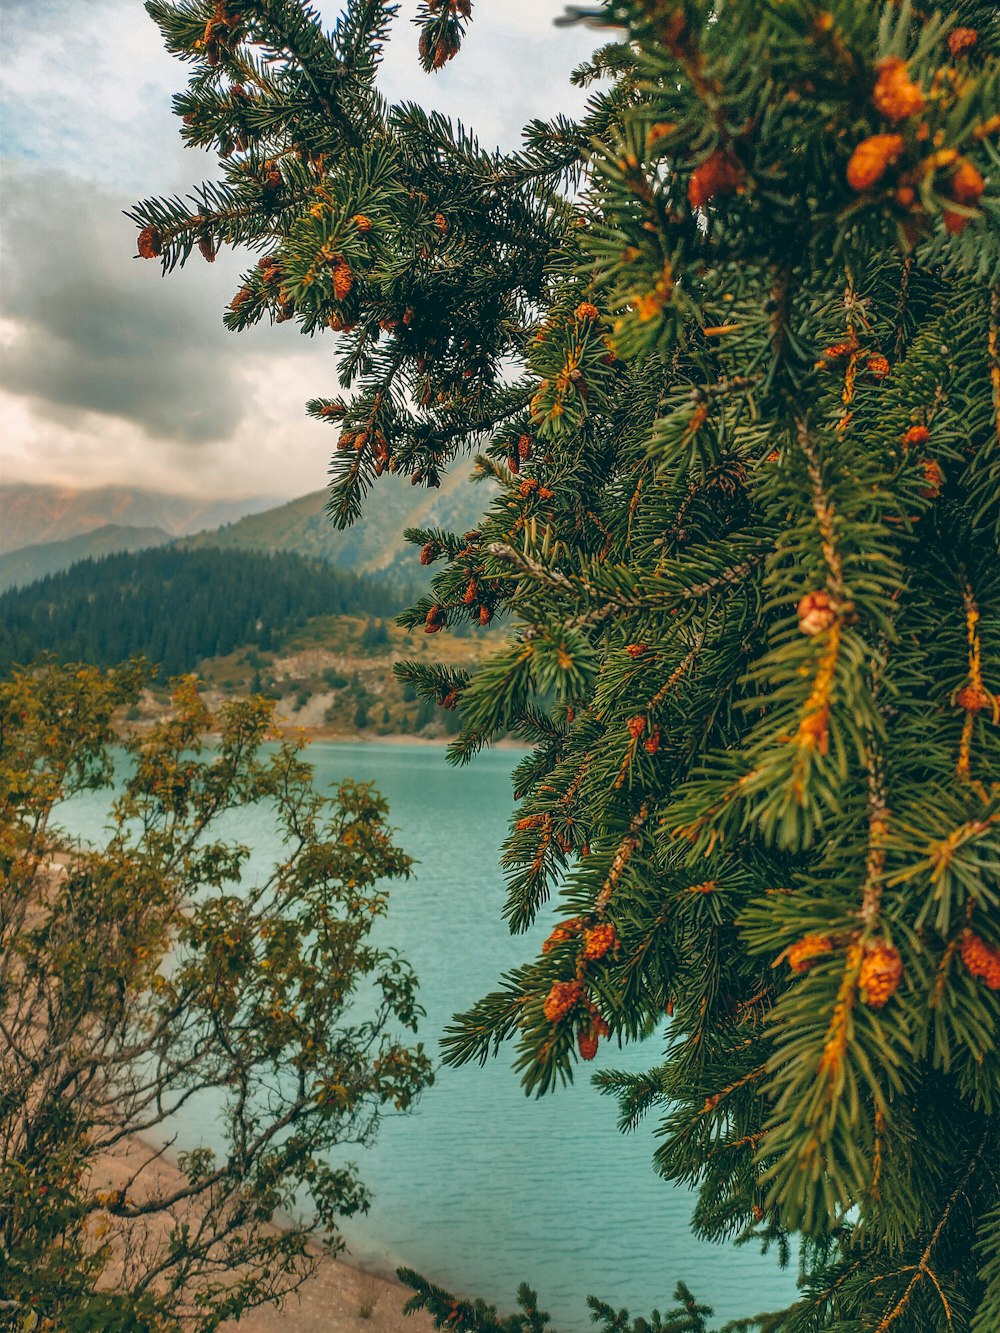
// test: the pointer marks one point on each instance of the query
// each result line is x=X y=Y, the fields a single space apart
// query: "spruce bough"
x=745 y=537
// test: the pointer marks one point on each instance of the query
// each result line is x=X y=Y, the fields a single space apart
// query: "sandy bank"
x=338 y=1298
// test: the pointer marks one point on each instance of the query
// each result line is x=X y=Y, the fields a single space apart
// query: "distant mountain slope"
x=30 y=515
x=374 y=543
x=30 y=563
x=177 y=606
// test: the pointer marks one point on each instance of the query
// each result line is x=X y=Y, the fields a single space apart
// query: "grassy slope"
x=326 y=670
x=374 y=543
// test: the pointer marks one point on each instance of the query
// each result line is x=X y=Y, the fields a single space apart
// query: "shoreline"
x=340 y=1296
x=326 y=736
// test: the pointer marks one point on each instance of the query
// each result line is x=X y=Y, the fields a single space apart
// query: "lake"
x=481 y=1188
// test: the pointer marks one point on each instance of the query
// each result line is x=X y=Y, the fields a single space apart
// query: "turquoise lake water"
x=481 y=1188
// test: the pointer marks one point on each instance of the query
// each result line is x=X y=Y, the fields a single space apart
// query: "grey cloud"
x=96 y=330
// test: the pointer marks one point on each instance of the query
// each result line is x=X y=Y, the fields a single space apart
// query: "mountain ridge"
x=33 y=514
x=372 y=545
x=29 y=564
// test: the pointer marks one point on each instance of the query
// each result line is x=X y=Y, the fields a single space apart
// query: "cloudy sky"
x=110 y=373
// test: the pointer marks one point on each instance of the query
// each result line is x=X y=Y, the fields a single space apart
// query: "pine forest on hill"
x=178 y=607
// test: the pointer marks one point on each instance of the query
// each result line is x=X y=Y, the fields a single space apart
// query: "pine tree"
x=746 y=539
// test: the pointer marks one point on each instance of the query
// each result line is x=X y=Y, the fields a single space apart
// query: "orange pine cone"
x=872 y=158
x=934 y=478
x=434 y=620
x=587 y=1042
x=429 y=552
x=807 y=950
x=562 y=999
x=343 y=279
x=816 y=613
x=895 y=95
x=636 y=726
x=636 y=649
x=961 y=40
x=915 y=435
x=362 y=222
x=982 y=960
x=975 y=698
x=878 y=367
x=150 y=243
x=586 y=310
x=600 y=941
x=652 y=742
x=881 y=972
x=530 y=821
x=966 y=185
x=837 y=350
x=722 y=173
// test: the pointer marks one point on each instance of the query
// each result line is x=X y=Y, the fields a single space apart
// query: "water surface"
x=481 y=1188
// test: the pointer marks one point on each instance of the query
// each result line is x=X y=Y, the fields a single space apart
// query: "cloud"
x=113 y=373
x=95 y=330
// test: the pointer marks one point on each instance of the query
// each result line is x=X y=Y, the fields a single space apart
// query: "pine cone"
x=565 y=930
x=961 y=40
x=881 y=972
x=975 y=698
x=587 y=1043
x=934 y=478
x=871 y=159
x=600 y=941
x=150 y=243
x=343 y=279
x=816 y=612
x=915 y=435
x=966 y=185
x=562 y=999
x=895 y=95
x=722 y=173
x=805 y=951
x=981 y=959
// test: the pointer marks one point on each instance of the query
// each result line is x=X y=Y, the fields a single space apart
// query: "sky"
x=111 y=373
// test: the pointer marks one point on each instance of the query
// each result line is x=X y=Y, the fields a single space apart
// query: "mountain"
x=374 y=544
x=31 y=515
x=27 y=564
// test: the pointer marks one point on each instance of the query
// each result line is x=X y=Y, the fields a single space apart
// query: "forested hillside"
x=177 y=607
